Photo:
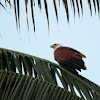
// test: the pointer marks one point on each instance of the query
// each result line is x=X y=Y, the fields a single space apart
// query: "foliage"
x=76 y=5
x=2 y=5
x=20 y=87
x=48 y=71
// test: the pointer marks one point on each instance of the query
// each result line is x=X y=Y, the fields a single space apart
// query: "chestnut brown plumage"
x=69 y=58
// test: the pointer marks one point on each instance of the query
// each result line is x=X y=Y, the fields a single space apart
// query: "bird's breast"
x=62 y=56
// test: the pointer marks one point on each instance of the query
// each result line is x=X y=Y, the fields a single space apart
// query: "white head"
x=55 y=46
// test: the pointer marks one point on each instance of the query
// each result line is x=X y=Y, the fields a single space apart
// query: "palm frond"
x=55 y=6
x=76 y=5
x=2 y=5
x=32 y=11
x=46 y=70
x=20 y=87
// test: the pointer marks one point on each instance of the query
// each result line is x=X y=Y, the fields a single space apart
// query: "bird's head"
x=55 y=46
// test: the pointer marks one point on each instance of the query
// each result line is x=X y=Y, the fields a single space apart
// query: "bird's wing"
x=69 y=57
x=63 y=54
x=77 y=52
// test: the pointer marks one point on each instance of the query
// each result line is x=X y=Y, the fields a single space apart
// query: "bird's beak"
x=51 y=46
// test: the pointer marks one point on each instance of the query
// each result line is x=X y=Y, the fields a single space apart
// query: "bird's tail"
x=84 y=68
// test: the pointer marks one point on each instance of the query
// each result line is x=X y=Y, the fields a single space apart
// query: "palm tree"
x=40 y=79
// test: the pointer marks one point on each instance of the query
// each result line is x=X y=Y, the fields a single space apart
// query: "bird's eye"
x=54 y=44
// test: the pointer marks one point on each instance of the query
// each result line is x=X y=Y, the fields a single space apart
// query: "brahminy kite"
x=69 y=58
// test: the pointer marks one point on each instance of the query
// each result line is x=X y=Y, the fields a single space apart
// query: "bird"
x=69 y=58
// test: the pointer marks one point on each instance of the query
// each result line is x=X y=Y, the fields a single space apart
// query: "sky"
x=82 y=34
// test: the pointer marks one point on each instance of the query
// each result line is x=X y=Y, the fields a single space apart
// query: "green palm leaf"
x=20 y=87
x=2 y=5
x=46 y=70
x=76 y=5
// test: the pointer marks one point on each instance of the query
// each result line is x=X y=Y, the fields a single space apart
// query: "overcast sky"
x=82 y=34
